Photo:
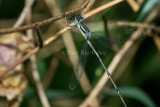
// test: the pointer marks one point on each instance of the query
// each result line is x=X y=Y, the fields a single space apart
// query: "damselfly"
x=87 y=35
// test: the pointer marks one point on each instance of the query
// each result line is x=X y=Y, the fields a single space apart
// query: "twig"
x=24 y=13
x=136 y=24
x=108 y=35
x=53 y=37
x=135 y=6
x=38 y=84
x=101 y=8
x=34 y=71
x=156 y=39
x=19 y=62
x=141 y=25
x=44 y=22
x=51 y=72
x=90 y=4
x=115 y=62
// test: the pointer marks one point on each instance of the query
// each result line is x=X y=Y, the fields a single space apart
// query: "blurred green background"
x=139 y=82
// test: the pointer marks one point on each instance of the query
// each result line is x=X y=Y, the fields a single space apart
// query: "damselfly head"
x=80 y=18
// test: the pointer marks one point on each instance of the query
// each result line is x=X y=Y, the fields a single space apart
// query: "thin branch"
x=136 y=24
x=35 y=74
x=19 y=62
x=44 y=22
x=108 y=35
x=53 y=37
x=50 y=73
x=24 y=13
x=90 y=4
x=38 y=83
x=134 y=5
x=156 y=39
x=101 y=8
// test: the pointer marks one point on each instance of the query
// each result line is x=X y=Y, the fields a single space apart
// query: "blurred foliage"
x=10 y=9
x=13 y=47
x=142 y=73
x=140 y=96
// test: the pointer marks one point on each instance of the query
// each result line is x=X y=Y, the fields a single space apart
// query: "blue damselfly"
x=77 y=72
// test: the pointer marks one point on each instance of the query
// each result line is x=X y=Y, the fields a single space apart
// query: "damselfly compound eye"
x=80 y=18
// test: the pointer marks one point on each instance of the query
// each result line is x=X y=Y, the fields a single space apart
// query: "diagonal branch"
x=34 y=70
x=24 y=13
x=143 y=25
x=44 y=22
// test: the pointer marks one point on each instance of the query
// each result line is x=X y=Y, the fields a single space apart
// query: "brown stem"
x=44 y=22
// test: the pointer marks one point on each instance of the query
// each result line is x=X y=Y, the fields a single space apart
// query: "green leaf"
x=146 y=9
x=135 y=93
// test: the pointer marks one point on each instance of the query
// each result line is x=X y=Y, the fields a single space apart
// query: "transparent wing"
x=121 y=33
x=79 y=69
x=116 y=36
x=102 y=43
x=73 y=83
